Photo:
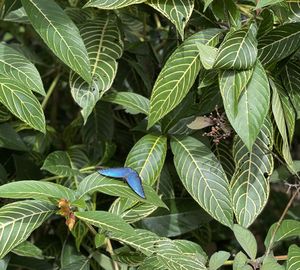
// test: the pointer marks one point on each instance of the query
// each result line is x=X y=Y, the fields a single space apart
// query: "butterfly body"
x=129 y=175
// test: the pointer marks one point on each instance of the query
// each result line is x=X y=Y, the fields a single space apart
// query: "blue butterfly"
x=129 y=175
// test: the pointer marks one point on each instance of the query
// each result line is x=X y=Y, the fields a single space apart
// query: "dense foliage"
x=200 y=97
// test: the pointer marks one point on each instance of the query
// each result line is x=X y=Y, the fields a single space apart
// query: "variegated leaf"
x=178 y=75
x=112 y=4
x=15 y=66
x=60 y=34
x=203 y=177
x=177 y=11
x=293 y=262
x=102 y=38
x=250 y=182
x=22 y=103
x=246 y=113
x=132 y=102
x=291 y=81
x=18 y=220
x=279 y=43
x=239 y=50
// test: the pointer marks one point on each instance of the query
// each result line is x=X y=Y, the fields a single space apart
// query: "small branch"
x=50 y=91
x=109 y=247
x=281 y=219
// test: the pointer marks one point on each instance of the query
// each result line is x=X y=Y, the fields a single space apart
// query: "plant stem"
x=50 y=91
x=53 y=178
x=109 y=247
x=281 y=219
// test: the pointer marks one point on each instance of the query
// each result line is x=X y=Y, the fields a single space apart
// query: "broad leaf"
x=106 y=221
x=178 y=75
x=177 y=11
x=250 y=182
x=18 y=220
x=279 y=43
x=208 y=55
x=112 y=4
x=203 y=177
x=130 y=211
x=35 y=190
x=60 y=34
x=102 y=38
x=285 y=109
x=132 y=102
x=291 y=81
x=218 y=259
x=115 y=187
x=10 y=139
x=263 y=3
x=270 y=263
x=246 y=239
x=27 y=249
x=60 y=163
x=15 y=66
x=173 y=258
x=252 y=104
x=22 y=103
x=147 y=157
x=184 y=216
x=293 y=262
x=241 y=262
x=239 y=50
x=288 y=228
x=284 y=117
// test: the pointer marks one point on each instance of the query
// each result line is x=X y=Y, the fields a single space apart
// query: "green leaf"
x=132 y=102
x=270 y=263
x=112 y=4
x=35 y=190
x=223 y=152
x=291 y=81
x=60 y=163
x=130 y=210
x=177 y=11
x=288 y=228
x=60 y=34
x=27 y=249
x=184 y=216
x=239 y=50
x=102 y=38
x=218 y=259
x=284 y=117
x=240 y=262
x=15 y=66
x=147 y=157
x=174 y=258
x=178 y=75
x=279 y=43
x=10 y=139
x=227 y=11
x=283 y=111
x=250 y=182
x=22 y=103
x=282 y=173
x=106 y=221
x=115 y=187
x=252 y=104
x=246 y=239
x=203 y=177
x=207 y=55
x=263 y=3
x=18 y=220
x=293 y=262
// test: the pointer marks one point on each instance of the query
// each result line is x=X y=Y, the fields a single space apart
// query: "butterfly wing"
x=115 y=172
x=135 y=183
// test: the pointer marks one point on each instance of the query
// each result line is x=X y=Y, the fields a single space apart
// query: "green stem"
x=53 y=178
x=50 y=91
